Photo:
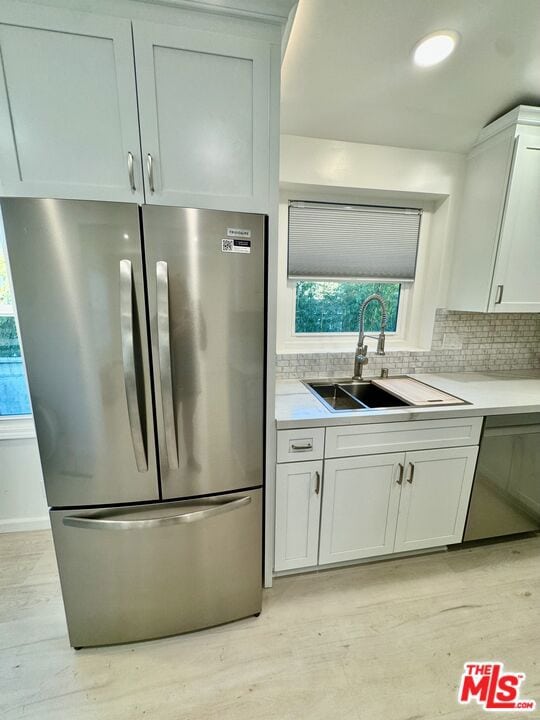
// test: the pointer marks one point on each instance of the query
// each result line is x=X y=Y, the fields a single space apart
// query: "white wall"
x=332 y=163
x=320 y=169
x=22 y=494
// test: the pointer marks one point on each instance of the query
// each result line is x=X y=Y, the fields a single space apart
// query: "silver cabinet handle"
x=150 y=171
x=317 y=482
x=131 y=173
x=499 y=294
x=128 y=359
x=411 y=475
x=112 y=519
x=300 y=448
x=165 y=370
x=400 y=477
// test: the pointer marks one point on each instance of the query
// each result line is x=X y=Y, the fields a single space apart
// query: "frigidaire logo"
x=492 y=687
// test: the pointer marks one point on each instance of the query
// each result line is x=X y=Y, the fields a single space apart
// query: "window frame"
x=345 y=340
x=419 y=299
x=395 y=334
x=13 y=426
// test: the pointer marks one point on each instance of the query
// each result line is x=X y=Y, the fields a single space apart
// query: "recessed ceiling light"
x=435 y=47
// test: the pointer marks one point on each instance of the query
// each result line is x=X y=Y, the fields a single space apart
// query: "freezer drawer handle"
x=165 y=371
x=128 y=358
x=110 y=519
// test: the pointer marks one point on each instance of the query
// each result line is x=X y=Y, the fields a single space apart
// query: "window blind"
x=328 y=240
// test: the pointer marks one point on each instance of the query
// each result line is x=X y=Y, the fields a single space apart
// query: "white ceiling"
x=348 y=73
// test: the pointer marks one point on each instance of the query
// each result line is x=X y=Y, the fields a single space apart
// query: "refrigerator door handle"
x=165 y=371
x=128 y=358
x=111 y=519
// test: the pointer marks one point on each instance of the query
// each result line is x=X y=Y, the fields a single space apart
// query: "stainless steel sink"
x=341 y=396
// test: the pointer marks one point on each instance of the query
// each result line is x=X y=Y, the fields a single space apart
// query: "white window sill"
x=17 y=427
x=318 y=344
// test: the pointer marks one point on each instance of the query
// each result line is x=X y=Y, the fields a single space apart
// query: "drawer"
x=373 y=438
x=122 y=584
x=303 y=444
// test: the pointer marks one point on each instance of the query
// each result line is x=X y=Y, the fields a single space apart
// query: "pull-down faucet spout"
x=361 y=358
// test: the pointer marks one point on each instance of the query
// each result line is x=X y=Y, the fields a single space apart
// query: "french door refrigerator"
x=143 y=333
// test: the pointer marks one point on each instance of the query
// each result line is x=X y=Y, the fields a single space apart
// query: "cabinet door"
x=68 y=109
x=516 y=280
x=435 y=497
x=204 y=110
x=360 y=506
x=298 y=487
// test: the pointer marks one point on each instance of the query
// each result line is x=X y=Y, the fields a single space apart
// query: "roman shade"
x=361 y=242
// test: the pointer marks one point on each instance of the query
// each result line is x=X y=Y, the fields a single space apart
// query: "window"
x=339 y=254
x=13 y=393
x=332 y=307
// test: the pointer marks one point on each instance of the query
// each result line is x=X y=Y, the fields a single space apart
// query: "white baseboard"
x=24 y=524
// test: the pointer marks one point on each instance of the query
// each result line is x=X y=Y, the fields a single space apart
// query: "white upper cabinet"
x=204 y=115
x=80 y=95
x=516 y=280
x=68 y=106
x=496 y=265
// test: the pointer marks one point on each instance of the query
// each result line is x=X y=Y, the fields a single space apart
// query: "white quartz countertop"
x=493 y=393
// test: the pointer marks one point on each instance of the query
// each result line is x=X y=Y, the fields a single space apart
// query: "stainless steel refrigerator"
x=143 y=333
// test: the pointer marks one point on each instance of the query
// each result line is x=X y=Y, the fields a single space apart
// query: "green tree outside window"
x=332 y=307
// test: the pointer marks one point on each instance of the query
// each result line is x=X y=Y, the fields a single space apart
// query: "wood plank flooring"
x=384 y=641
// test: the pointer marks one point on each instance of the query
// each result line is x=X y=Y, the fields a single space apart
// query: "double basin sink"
x=353 y=395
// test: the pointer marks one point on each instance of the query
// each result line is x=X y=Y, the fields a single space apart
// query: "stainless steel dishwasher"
x=506 y=492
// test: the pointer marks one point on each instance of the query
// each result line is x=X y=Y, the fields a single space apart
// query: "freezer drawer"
x=152 y=570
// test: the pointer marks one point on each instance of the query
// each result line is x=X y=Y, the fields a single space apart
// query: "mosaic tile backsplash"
x=462 y=342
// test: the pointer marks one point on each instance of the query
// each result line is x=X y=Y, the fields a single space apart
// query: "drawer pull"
x=318 y=482
x=411 y=476
x=401 y=469
x=302 y=448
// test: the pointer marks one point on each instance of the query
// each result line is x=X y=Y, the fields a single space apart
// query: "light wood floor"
x=384 y=641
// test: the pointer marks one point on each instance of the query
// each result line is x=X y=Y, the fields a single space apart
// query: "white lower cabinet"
x=298 y=506
x=372 y=504
x=396 y=502
x=434 y=497
x=360 y=506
